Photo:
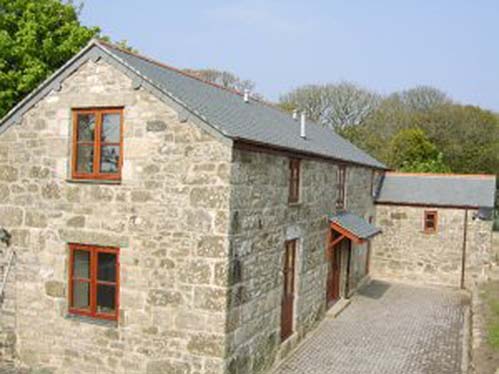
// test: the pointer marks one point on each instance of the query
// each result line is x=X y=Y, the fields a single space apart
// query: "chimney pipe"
x=303 y=125
x=246 y=95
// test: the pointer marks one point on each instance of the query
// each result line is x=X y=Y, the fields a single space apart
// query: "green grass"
x=491 y=297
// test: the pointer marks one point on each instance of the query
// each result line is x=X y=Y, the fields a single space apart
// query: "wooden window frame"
x=93 y=281
x=342 y=176
x=97 y=143
x=427 y=229
x=294 y=181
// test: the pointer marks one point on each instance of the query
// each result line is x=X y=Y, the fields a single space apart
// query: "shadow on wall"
x=374 y=290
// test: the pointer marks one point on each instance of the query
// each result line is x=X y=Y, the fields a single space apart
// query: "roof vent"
x=246 y=95
x=295 y=114
x=303 y=124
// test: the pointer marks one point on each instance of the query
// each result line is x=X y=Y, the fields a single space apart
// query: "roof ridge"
x=449 y=175
x=186 y=74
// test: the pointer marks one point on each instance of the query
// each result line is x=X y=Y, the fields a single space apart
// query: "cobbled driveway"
x=387 y=329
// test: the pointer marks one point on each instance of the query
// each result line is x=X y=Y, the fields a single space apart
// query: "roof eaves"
x=296 y=152
x=429 y=205
x=438 y=175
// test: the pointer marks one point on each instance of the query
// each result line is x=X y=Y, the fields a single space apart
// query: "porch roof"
x=354 y=225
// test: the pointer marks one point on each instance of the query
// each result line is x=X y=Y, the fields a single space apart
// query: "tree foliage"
x=36 y=38
x=450 y=136
x=421 y=98
x=411 y=150
x=411 y=145
x=337 y=106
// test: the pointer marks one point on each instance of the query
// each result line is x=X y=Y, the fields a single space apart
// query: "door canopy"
x=353 y=227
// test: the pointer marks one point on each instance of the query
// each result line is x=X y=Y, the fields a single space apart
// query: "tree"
x=337 y=106
x=468 y=137
x=422 y=98
x=36 y=38
x=224 y=78
x=436 y=165
x=412 y=149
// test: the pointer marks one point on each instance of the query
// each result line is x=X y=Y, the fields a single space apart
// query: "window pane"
x=85 y=159
x=86 y=127
x=110 y=132
x=110 y=159
x=81 y=295
x=106 y=267
x=106 y=299
x=81 y=266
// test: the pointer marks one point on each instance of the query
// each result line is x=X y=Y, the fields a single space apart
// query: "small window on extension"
x=430 y=221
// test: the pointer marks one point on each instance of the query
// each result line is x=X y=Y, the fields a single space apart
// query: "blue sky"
x=384 y=45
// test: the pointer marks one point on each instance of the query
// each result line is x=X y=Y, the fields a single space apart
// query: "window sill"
x=295 y=205
x=92 y=321
x=93 y=181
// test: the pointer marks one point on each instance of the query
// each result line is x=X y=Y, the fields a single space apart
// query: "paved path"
x=387 y=329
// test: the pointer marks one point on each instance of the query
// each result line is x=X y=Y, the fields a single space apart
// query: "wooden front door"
x=334 y=273
x=288 y=296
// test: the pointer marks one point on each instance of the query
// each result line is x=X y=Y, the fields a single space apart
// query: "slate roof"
x=255 y=121
x=355 y=224
x=438 y=190
x=220 y=109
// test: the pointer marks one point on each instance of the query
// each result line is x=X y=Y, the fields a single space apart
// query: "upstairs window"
x=341 y=201
x=294 y=181
x=97 y=144
x=94 y=281
x=430 y=221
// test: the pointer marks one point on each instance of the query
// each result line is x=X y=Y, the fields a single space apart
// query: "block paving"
x=388 y=328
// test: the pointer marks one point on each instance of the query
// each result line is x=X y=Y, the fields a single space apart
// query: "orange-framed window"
x=294 y=181
x=94 y=281
x=342 y=174
x=97 y=143
x=430 y=221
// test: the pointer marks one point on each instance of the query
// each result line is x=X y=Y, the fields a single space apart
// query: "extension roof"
x=221 y=109
x=472 y=191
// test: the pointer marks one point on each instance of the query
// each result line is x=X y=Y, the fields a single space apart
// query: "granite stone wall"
x=7 y=305
x=495 y=246
x=405 y=252
x=359 y=200
x=201 y=230
x=169 y=216
x=261 y=222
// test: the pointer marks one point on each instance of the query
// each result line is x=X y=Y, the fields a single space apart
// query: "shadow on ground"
x=374 y=290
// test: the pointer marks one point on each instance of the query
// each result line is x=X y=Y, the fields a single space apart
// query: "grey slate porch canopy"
x=353 y=226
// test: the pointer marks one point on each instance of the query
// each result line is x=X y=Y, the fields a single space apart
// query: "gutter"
x=256 y=146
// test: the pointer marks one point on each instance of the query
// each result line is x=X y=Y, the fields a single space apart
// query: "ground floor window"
x=94 y=281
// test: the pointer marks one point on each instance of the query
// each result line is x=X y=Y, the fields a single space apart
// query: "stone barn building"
x=436 y=228
x=161 y=224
